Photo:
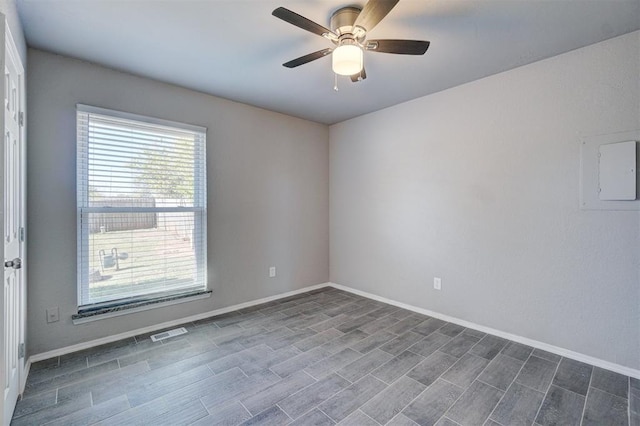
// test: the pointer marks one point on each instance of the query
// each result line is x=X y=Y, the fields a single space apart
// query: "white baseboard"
x=627 y=371
x=97 y=342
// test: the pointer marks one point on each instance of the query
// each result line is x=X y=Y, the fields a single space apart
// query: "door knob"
x=15 y=263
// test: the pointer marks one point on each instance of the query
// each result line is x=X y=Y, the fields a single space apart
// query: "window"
x=141 y=208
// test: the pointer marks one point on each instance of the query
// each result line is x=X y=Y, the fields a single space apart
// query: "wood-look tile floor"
x=322 y=358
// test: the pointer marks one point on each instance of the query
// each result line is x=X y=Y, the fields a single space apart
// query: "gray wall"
x=268 y=194
x=479 y=185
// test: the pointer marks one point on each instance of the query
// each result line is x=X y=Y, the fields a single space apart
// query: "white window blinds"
x=141 y=198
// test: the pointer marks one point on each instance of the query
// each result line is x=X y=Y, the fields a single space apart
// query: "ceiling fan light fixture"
x=347 y=59
x=349 y=28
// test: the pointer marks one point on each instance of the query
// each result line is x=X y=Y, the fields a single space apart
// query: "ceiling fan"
x=349 y=27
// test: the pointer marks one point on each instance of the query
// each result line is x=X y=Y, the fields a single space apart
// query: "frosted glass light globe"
x=347 y=59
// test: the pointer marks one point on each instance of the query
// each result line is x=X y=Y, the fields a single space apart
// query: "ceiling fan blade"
x=360 y=76
x=301 y=22
x=307 y=58
x=400 y=47
x=373 y=12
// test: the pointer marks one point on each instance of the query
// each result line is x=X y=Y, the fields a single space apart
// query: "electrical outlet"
x=272 y=271
x=53 y=314
x=437 y=283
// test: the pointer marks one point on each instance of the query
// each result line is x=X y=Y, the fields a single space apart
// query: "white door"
x=13 y=292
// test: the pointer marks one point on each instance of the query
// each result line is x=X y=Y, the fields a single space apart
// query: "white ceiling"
x=235 y=48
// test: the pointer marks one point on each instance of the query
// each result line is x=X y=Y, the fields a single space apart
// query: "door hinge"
x=21 y=118
x=21 y=350
x=22 y=234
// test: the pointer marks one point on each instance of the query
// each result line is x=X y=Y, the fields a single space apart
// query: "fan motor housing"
x=342 y=20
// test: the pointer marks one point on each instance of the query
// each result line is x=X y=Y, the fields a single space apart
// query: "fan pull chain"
x=335 y=82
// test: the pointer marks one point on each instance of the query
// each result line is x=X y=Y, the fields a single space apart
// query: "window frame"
x=84 y=209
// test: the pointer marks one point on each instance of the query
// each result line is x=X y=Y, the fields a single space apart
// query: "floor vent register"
x=168 y=334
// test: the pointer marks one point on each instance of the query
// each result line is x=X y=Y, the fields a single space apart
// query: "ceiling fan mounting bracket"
x=342 y=21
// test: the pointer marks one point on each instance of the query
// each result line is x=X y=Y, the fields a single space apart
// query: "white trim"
x=23 y=379
x=136 y=117
x=97 y=342
x=627 y=371
x=142 y=308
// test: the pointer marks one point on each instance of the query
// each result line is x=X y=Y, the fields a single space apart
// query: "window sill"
x=129 y=308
